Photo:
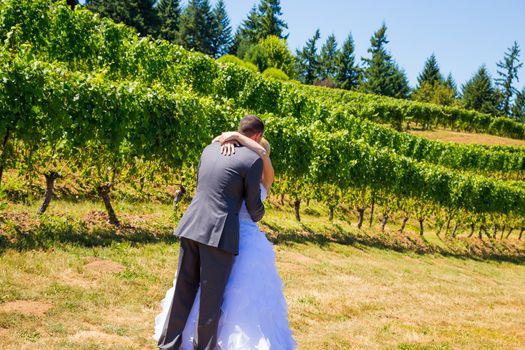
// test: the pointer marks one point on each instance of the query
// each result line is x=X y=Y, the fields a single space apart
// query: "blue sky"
x=463 y=34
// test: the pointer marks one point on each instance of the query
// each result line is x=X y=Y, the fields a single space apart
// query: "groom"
x=209 y=236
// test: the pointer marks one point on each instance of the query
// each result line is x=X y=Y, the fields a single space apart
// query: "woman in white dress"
x=254 y=311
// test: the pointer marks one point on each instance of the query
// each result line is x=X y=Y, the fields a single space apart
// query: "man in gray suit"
x=209 y=236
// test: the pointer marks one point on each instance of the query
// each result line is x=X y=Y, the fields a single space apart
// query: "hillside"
x=104 y=108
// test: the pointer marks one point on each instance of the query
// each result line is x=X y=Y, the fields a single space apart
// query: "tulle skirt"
x=254 y=312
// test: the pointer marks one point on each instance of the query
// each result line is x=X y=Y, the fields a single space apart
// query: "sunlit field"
x=88 y=286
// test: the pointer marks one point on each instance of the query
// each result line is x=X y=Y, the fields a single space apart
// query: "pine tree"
x=382 y=74
x=399 y=82
x=507 y=73
x=479 y=94
x=430 y=73
x=270 y=22
x=139 y=14
x=328 y=59
x=262 y=21
x=347 y=72
x=518 y=109
x=196 y=27
x=246 y=34
x=308 y=60
x=169 y=14
x=451 y=84
x=431 y=87
x=378 y=65
x=222 y=31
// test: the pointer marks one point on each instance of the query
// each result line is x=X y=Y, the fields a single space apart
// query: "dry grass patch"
x=339 y=296
x=104 y=266
x=467 y=138
x=346 y=288
x=375 y=300
x=26 y=307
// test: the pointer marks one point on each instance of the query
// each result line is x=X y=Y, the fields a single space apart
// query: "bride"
x=254 y=312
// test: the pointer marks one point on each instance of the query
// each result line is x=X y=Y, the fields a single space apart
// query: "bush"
x=250 y=66
x=272 y=52
x=236 y=60
x=230 y=59
x=274 y=73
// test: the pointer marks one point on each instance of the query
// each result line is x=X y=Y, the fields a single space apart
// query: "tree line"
x=261 y=41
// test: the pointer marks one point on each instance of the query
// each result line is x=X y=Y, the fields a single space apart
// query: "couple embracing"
x=227 y=293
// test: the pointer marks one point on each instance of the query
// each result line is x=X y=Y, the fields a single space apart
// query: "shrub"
x=236 y=60
x=275 y=73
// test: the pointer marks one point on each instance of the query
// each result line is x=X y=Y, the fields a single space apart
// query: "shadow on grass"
x=50 y=233
x=459 y=248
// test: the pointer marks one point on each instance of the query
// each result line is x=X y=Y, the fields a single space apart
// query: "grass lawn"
x=75 y=282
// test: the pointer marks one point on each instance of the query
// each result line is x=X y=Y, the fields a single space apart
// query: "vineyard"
x=85 y=96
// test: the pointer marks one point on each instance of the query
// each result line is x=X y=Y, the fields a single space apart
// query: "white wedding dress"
x=254 y=312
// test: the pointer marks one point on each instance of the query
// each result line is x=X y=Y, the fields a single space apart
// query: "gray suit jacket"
x=222 y=183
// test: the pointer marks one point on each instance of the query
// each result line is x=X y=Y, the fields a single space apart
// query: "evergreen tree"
x=507 y=73
x=307 y=60
x=270 y=22
x=378 y=65
x=139 y=14
x=262 y=21
x=399 y=82
x=451 y=84
x=518 y=109
x=382 y=74
x=328 y=59
x=222 y=31
x=479 y=94
x=431 y=86
x=347 y=72
x=196 y=27
x=246 y=34
x=430 y=73
x=169 y=14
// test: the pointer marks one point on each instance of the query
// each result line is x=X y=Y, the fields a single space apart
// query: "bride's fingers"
x=228 y=148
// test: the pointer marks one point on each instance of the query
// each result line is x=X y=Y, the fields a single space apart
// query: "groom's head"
x=252 y=127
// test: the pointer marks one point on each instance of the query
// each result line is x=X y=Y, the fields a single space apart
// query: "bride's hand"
x=228 y=148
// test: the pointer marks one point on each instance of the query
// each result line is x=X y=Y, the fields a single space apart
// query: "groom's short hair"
x=251 y=125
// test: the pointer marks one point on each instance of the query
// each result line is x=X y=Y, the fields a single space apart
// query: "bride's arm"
x=268 y=172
